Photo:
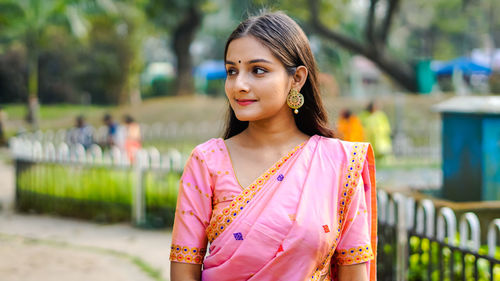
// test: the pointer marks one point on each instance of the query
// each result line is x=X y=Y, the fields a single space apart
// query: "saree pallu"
x=313 y=210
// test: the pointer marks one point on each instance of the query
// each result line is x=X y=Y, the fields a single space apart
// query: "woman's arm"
x=185 y=271
x=353 y=272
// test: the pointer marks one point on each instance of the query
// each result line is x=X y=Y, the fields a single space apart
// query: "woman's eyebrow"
x=259 y=60
x=250 y=61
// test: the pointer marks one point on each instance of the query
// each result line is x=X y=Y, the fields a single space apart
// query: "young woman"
x=278 y=198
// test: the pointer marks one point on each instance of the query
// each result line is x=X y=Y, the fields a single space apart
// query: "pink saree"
x=311 y=211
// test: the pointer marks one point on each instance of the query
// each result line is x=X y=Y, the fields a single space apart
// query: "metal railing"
x=419 y=242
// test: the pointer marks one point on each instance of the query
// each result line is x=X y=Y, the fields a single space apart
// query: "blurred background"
x=101 y=102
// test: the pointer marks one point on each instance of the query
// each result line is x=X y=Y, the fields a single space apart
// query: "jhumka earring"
x=295 y=100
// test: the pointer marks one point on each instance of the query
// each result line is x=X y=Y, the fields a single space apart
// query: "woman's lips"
x=244 y=102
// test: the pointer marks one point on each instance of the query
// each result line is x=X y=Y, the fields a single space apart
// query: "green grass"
x=51 y=112
x=52 y=116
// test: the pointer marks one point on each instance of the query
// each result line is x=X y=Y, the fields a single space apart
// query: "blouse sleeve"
x=193 y=211
x=355 y=242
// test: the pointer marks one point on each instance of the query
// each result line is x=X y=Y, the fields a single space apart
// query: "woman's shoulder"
x=338 y=145
x=212 y=153
x=210 y=146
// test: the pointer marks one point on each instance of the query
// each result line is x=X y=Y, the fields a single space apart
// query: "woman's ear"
x=300 y=77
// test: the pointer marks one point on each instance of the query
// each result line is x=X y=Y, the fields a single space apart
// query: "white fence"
x=149 y=132
x=64 y=154
x=22 y=148
x=422 y=143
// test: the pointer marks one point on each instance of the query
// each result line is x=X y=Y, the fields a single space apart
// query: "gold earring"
x=295 y=100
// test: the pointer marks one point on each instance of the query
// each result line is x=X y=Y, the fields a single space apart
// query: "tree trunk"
x=135 y=90
x=182 y=38
x=402 y=72
x=32 y=116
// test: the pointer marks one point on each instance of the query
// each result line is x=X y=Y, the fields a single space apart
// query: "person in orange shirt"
x=132 y=138
x=349 y=127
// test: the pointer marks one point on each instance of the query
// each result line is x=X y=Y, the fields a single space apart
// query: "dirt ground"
x=40 y=247
x=23 y=260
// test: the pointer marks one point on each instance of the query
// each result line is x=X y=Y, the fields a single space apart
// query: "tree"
x=182 y=19
x=27 y=20
x=440 y=28
x=374 y=46
x=114 y=45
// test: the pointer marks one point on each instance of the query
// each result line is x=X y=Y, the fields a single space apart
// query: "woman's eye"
x=259 y=70
x=231 y=72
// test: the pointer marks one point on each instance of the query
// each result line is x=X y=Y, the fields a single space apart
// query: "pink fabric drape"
x=311 y=211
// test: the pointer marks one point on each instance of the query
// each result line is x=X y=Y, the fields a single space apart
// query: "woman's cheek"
x=227 y=88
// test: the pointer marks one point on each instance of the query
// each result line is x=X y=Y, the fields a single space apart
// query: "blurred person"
x=132 y=137
x=300 y=217
x=3 y=120
x=81 y=133
x=349 y=126
x=115 y=136
x=377 y=130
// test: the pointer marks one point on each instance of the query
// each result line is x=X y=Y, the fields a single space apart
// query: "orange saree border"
x=353 y=173
x=371 y=168
x=219 y=222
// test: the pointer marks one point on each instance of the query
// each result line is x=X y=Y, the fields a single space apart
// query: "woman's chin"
x=246 y=116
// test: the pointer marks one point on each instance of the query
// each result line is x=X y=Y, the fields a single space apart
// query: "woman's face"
x=257 y=83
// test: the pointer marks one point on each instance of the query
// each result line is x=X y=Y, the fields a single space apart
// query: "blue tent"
x=466 y=65
x=211 y=70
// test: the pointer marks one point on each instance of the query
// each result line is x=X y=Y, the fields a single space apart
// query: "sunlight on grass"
x=18 y=111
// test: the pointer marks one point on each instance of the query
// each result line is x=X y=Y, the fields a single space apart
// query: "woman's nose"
x=241 y=83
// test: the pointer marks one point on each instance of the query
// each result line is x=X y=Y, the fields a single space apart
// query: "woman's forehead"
x=248 y=48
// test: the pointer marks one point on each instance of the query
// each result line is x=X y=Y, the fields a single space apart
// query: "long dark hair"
x=286 y=40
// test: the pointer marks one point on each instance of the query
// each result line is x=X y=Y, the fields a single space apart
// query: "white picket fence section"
x=149 y=132
x=423 y=143
x=22 y=148
x=64 y=154
x=398 y=211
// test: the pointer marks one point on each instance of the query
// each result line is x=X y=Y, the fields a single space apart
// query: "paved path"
x=153 y=247
x=25 y=260
x=6 y=185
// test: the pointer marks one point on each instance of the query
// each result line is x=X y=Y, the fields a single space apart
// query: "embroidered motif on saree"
x=354 y=255
x=219 y=222
x=353 y=173
x=185 y=254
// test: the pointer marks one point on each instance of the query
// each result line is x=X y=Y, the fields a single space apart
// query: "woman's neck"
x=273 y=133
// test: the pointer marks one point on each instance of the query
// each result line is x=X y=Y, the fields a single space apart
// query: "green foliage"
x=102 y=61
x=444 y=29
x=159 y=86
x=425 y=255
x=166 y=14
x=495 y=83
